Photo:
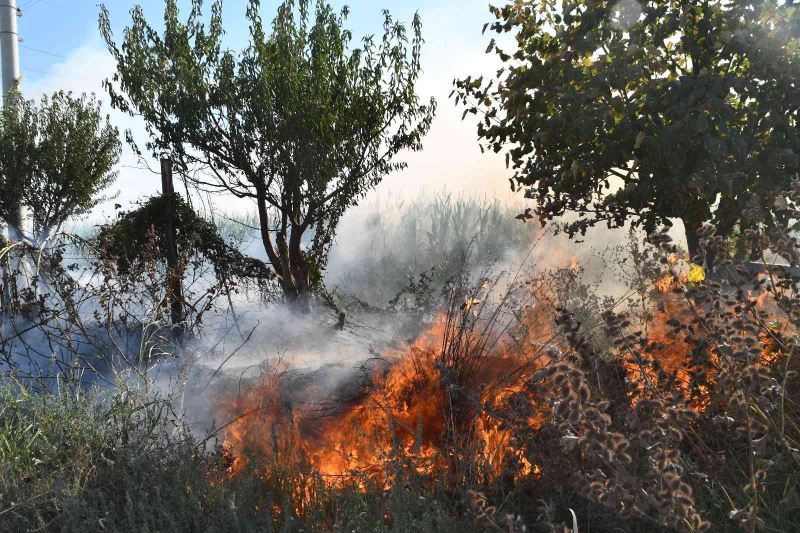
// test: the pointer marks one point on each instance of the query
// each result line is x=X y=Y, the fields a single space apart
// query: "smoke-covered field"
x=461 y=370
x=277 y=342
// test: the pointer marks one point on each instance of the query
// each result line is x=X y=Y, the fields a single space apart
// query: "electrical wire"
x=42 y=51
x=35 y=70
x=30 y=4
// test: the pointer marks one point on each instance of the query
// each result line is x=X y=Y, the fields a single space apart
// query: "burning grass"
x=429 y=402
x=520 y=397
x=518 y=401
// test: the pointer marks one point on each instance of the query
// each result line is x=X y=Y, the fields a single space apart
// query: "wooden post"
x=5 y=284
x=174 y=277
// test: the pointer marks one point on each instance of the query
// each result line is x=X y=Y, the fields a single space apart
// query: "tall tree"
x=56 y=158
x=297 y=122
x=76 y=153
x=645 y=111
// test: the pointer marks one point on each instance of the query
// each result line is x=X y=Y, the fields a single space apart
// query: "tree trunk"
x=301 y=300
x=693 y=241
x=14 y=225
x=299 y=291
x=300 y=270
x=5 y=286
x=16 y=271
x=287 y=259
x=707 y=256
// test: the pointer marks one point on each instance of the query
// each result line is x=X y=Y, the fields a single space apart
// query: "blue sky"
x=61 y=49
x=58 y=26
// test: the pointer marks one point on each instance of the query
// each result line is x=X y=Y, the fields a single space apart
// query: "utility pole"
x=9 y=43
x=174 y=274
x=9 y=54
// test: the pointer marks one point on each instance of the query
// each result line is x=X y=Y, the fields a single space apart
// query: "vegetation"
x=393 y=242
x=126 y=239
x=90 y=460
x=298 y=122
x=458 y=385
x=644 y=111
x=55 y=158
x=633 y=420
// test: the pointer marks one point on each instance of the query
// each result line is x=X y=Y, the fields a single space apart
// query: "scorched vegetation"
x=444 y=364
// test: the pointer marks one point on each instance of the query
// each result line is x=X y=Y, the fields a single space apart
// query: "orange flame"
x=420 y=405
x=413 y=407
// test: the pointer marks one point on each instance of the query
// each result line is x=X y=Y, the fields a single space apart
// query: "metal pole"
x=9 y=43
x=9 y=54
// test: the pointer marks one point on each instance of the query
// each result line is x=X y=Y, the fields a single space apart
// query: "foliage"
x=298 y=121
x=102 y=308
x=17 y=144
x=683 y=418
x=55 y=158
x=125 y=240
x=677 y=414
x=644 y=111
x=76 y=460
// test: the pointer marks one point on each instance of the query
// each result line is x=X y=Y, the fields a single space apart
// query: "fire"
x=671 y=353
x=417 y=405
x=436 y=404
x=574 y=266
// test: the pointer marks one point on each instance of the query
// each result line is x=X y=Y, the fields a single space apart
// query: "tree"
x=297 y=121
x=75 y=156
x=55 y=158
x=645 y=111
x=18 y=133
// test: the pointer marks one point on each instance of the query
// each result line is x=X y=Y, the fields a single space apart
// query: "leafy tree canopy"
x=56 y=157
x=126 y=240
x=644 y=111
x=297 y=121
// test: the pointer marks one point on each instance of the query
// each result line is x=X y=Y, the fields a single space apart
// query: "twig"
x=234 y=352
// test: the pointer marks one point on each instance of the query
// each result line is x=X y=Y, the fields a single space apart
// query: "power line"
x=31 y=3
x=35 y=70
x=42 y=51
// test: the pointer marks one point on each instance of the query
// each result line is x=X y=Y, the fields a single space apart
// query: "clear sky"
x=61 y=49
